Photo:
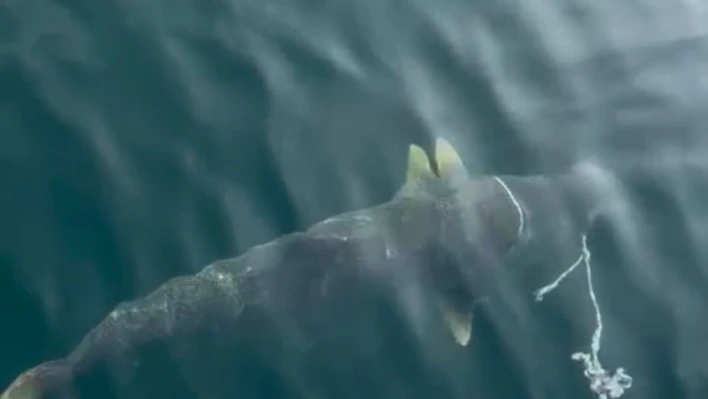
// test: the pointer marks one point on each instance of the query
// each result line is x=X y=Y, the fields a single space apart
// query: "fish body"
x=341 y=296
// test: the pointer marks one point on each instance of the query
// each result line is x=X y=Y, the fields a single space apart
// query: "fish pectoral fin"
x=448 y=162
x=459 y=323
x=418 y=164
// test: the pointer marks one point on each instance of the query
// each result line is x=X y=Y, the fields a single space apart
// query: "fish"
x=445 y=235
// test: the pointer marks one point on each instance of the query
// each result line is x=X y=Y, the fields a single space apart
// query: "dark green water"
x=140 y=140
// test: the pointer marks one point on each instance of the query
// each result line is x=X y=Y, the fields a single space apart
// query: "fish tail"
x=51 y=378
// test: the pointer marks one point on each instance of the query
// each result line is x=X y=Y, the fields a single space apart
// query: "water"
x=142 y=140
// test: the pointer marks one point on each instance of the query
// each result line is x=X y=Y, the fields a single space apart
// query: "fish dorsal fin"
x=418 y=165
x=459 y=323
x=449 y=164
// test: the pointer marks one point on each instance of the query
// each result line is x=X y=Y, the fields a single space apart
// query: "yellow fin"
x=418 y=164
x=448 y=161
x=459 y=323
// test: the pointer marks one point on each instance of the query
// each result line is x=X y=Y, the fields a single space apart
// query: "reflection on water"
x=141 y=140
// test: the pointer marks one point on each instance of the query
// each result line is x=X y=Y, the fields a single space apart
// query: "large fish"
x=349 y=289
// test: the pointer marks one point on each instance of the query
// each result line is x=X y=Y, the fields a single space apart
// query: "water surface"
x=144 y=139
